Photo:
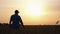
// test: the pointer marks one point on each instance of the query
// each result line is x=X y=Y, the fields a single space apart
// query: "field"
x=30 y=29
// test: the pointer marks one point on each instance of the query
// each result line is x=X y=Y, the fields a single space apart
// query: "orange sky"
x=32 y=12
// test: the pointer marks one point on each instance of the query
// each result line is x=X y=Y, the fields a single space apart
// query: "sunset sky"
x=32 y=12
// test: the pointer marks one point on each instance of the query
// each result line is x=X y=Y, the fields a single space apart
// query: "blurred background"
x=32 y=12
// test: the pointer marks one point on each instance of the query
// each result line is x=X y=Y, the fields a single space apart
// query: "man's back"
x=15 y=19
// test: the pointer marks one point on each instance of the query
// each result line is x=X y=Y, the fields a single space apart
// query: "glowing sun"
x=35 y=10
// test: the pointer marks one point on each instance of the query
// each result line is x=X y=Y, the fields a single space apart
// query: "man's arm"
x=21 y=22
x=10 y=20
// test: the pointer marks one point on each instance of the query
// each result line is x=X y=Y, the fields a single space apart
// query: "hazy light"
x=34 y=10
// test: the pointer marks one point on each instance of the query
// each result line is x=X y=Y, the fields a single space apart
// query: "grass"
x=30 y=29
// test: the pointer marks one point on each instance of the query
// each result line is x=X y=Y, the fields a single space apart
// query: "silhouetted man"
x=16 y=20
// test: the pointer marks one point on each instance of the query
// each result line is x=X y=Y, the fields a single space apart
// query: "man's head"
x=16 y=11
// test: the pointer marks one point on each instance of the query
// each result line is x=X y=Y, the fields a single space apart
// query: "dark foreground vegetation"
x=30 y=29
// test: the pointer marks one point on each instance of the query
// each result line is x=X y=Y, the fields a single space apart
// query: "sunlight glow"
x=35 y=10
x=32 y=12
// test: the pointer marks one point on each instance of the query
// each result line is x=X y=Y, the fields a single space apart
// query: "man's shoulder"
x=12 y=15
x=18 y=15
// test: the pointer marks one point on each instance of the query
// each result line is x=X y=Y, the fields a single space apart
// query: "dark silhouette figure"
x=57 y=22
x=16 y=20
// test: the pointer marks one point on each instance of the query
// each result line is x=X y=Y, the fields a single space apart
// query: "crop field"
x=30 y=29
